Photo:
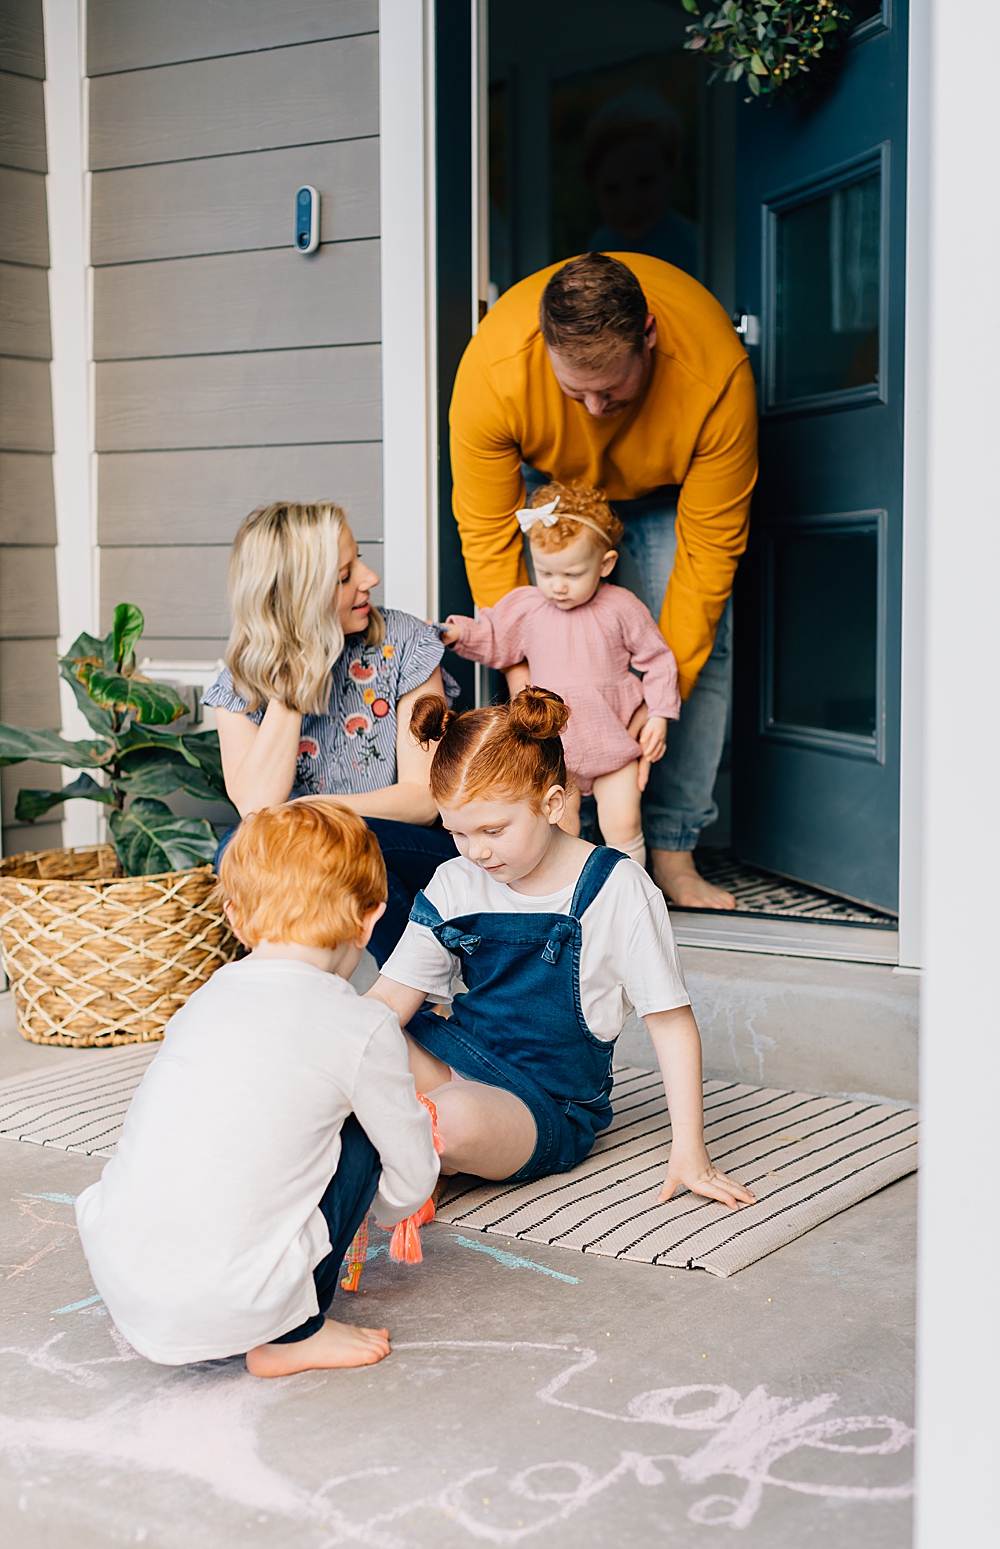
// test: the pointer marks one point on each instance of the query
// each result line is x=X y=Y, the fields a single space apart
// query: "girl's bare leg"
x=486 y=1131
x=619 y=811
x=426 y=1069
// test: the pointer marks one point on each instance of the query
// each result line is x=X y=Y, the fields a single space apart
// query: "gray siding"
x=133 y=37
x=29 y=694
x=230 y=370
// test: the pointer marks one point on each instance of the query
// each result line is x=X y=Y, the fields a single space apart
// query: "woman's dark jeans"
x=412 y=854
x=345 y=1204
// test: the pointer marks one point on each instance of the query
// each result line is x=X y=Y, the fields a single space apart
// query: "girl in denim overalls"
x=555 y=940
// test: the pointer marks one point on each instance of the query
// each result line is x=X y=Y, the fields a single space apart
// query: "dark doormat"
x=763 y=893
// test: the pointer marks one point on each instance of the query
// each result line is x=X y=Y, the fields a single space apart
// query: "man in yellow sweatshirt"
x=621 y=371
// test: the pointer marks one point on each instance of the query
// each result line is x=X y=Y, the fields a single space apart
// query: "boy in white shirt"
x=279 y=1108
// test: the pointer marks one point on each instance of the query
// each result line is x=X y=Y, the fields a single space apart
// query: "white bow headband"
x=528 y=516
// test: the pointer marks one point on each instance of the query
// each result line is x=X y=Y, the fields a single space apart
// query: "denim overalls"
x=520 y=1025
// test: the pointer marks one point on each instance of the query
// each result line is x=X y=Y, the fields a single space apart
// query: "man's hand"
x=696 y=1171
x=653 y=738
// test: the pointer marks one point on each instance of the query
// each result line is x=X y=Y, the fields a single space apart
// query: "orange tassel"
x=404 y=1245
x=435 y=1132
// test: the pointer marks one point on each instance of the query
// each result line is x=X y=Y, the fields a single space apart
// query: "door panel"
x=820 y=260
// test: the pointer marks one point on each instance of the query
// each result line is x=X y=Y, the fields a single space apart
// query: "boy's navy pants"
x=345 y=1204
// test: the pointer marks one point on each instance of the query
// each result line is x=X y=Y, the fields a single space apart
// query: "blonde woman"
x=318 y=691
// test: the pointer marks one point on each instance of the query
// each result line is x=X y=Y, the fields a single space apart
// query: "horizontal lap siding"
x=226 y=204
x=200 y=496
x=247 y=102
x=159 y=32
x=269 y=300
x=29 y=620
x=280 y=397
x=231 y=371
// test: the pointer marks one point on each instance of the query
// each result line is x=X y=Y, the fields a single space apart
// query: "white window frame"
x=409 y=311
x=74 y=461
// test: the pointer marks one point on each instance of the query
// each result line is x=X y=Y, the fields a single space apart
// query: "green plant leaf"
x=18 y=743
x=152 y=704
x=155 y=773
x=148 y=838
x=137 y=737
x=31 y=805
x=99 y=720
x=126 y=632
x=691 y=5
x=204 y=746
x=89 y=647
x=757 y=65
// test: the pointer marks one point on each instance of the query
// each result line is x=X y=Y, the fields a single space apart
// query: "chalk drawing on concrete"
x=202 y=1423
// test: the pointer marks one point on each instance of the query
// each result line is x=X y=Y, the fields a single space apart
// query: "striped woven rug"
x=78 y=1106
x=805 y=1158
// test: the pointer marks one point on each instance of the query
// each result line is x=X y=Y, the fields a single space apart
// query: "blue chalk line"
x=88 y=1301
x=53 y=1199
x=511 y=1261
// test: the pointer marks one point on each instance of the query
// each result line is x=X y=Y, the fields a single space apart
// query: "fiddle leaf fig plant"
x=139 y=759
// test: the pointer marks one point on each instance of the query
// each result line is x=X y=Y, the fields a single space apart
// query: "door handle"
x=747 y=326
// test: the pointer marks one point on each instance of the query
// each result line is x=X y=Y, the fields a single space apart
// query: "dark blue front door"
x=821 y=226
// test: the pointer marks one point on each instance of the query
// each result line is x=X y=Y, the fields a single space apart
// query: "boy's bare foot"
x=674 y=871
x=335 y=1344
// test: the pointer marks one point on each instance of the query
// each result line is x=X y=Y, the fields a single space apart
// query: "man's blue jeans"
x=678 y=802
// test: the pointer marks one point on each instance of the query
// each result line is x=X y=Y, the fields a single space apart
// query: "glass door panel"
x=823 y=634
x=827 y=293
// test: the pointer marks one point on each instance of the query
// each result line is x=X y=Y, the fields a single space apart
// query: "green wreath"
x=771 y=42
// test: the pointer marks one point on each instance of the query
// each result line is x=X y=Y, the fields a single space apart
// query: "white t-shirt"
x=203 y=1231
x=628 y=956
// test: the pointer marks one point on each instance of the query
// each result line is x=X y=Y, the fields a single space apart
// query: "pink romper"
x=583 y=654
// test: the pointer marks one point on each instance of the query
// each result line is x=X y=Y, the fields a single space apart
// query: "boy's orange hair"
x=307 y=872
x=575 y=500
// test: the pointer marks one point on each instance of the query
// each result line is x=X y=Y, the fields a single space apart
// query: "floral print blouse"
x=352 y=749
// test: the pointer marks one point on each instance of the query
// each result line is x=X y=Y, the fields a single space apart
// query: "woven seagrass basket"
x=95 y=959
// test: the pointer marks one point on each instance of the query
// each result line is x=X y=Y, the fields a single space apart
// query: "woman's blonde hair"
x=284 y=586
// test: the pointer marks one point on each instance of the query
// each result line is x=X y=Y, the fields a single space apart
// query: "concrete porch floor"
x=527 y=1397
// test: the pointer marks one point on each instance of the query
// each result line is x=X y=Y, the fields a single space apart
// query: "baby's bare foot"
x=674 y=871
x=334 y=1345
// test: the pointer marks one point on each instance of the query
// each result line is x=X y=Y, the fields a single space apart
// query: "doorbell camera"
x=307 y=219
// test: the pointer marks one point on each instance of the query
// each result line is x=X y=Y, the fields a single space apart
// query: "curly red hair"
x=308 y=872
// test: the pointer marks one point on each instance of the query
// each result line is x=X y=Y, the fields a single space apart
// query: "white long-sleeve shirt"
x=204 y=1229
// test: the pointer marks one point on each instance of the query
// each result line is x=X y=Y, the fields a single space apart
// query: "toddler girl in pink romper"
x=579 y=636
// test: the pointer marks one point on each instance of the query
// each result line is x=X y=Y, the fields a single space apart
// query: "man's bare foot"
x=674 y=871
x=335 y=1344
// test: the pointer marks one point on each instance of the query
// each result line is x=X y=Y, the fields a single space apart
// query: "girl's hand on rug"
x=698 y=1173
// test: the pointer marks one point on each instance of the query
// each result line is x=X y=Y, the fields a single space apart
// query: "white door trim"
x=911 y=752
x=74 y=461
x=409 y=321
x=958 y=1367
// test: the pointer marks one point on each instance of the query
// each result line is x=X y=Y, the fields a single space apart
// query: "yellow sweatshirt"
x=694 y=426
